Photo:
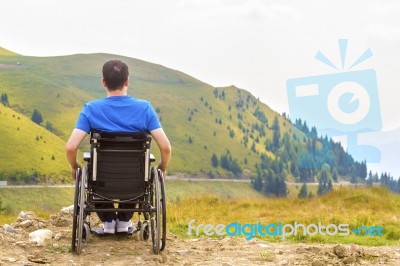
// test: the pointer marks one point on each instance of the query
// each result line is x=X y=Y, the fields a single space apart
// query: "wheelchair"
x=118 y=170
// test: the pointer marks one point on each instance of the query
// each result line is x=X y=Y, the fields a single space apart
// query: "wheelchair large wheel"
x=163 y=217
x=76 y=210
x=157 y=219
x=80 y=230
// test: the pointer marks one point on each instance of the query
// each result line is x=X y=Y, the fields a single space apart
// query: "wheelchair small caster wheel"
x=144 y=231
x=85 y=233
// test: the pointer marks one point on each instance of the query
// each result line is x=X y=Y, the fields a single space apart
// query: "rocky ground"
x=31 y=241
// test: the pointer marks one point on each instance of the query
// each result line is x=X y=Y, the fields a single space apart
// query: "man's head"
x=115 y=74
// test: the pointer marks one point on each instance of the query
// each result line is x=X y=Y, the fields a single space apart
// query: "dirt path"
x=17 y=249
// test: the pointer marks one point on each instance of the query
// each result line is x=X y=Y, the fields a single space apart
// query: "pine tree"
x=276 y=135
x=4 y=99
x=214 y=160
x=303 y=194
x=37 y=116
x=325 y=182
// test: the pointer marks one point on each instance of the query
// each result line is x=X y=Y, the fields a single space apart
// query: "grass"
x=214 y=202
x=346 y=205
x=43 y=201
x=27 y=147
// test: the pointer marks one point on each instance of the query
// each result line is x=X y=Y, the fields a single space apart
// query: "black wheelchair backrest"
x=120 y=164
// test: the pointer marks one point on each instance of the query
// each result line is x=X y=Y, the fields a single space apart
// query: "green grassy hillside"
x=199 y=119
x=28 y=149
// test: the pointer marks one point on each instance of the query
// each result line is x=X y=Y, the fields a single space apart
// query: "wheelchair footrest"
x=100 y=232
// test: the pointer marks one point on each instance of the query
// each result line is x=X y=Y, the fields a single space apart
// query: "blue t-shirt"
x=118 y=114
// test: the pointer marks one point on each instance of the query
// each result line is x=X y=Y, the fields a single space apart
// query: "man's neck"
x=121 y=92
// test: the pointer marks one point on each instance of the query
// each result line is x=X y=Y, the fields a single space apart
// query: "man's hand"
x=74 y=168
x=73 y=171
x=164 y=175
x=164 y=171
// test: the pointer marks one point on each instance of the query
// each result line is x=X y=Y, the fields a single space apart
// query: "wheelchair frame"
x=150 y=202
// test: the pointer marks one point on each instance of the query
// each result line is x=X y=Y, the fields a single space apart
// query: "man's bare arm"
x=165 y=148
x=76 y=138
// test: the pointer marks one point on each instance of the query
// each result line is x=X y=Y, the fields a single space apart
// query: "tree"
x=325 y=182
x=370 y=179
x=230 y=164
x=4 y=99
x=214 y=160
x=303 y=194
x=49 y=126
x=37 y=116
x=276 y=135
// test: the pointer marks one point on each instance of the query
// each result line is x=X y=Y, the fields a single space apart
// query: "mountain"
x=227 y=126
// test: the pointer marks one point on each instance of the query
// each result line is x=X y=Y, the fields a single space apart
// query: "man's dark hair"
x=115 y=73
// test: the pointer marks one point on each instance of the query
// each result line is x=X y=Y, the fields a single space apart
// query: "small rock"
x=61 y=222
x=317 y=262
x=58 y=236
x=67 y=210
x=226 y=264
x=23 y=215
x=340 y=251
x=38 y=259
x=251 y=242
x=283 y=262
x=41 y=225
x=183 y=251
x=39 y=236
x=21 y=243
x=300 y=250
x=263 y=245
x=26 y=223
x=11 y=260
x=8 y=228
x=349 y=260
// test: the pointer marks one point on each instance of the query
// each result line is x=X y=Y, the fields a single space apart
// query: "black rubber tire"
x=155 y=216
x=75 y=212
x=85 y=233
x=144 y=231
x=80 y=216
x=163 y=211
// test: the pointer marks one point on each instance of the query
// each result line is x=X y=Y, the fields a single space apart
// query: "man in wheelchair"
x=120 y=113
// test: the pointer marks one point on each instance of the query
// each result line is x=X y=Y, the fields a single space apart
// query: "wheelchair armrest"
x=152 y=158
x=86 y=156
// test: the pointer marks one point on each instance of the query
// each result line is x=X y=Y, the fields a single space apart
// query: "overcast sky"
x=253 y=44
